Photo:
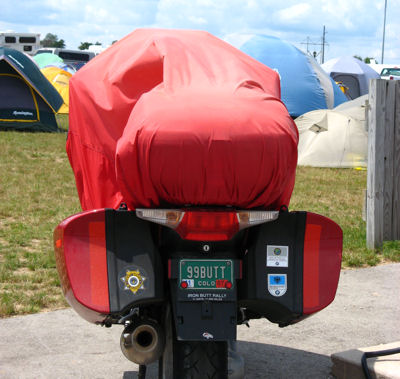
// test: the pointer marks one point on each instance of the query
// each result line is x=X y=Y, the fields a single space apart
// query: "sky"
x=353 y=27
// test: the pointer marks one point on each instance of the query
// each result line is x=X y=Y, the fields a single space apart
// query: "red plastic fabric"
x=173 y=118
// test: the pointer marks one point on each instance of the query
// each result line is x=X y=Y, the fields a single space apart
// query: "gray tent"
x=353 y=73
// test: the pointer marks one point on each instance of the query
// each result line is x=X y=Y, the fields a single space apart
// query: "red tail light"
x=81 y=256
x=208 y=226
x=321 y=262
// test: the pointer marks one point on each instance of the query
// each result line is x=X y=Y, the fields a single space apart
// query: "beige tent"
x=355 y=108
x=334 y=138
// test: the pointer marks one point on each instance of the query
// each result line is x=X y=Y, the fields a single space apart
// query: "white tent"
x=334 y=138
x=355 y=108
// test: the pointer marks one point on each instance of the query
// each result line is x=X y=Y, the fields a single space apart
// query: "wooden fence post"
x=383 y=179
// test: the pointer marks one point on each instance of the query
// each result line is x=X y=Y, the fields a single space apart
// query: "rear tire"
x=192 y=359
x=195 y=360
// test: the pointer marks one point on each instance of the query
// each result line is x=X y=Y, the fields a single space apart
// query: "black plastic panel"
x=205 y=320
x=132 y=256
x=286 y=232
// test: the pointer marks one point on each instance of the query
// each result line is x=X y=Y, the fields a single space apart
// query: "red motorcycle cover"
x=172 y=118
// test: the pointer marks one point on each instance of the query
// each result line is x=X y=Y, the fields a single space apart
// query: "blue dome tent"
x=304 y=84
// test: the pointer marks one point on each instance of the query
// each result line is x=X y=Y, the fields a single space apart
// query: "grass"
x=37 y=191
x=339 y=194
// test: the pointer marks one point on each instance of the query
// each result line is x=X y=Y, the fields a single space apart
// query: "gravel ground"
x=62 y=345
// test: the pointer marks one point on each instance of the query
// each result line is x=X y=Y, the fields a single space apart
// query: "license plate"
x=206 y=274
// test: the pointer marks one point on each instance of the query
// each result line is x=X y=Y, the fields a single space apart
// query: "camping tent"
x=60 y=80
x=353 y=73
x=334 y=138
x=355 y=108
x=64 y=66
x=304 y=85
x=46 y=59
x=27 y=100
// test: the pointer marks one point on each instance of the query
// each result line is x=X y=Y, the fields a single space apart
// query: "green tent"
x=28 y=101
x=46 y=59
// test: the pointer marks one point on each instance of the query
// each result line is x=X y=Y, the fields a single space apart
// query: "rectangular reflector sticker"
x=277 y=256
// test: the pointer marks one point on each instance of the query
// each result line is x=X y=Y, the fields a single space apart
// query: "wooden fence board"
x=375 y=174
x=387 y=128
x=396 y=167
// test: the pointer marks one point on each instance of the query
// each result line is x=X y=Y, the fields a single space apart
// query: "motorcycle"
x=180 y=280
x=184 y=158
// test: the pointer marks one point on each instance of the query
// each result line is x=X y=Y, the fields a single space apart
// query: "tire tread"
x=195 y=360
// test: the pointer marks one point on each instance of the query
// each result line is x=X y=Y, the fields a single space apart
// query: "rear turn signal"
x=206 y=225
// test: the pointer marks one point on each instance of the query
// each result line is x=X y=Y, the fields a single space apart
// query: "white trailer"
x=27 y=43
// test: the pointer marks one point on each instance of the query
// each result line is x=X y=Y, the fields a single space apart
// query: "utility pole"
x=323 y=45
x=384 y=28
x=310 y=51
x=308 y=43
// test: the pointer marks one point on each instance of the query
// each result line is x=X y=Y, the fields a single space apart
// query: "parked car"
x=75 y=58
x=391 y=73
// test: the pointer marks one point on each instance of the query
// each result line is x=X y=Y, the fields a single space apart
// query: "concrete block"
x=347 y=364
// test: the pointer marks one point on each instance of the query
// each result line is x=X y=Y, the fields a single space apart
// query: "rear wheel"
x=201 y=360
x=192 y=359
x=195 y=360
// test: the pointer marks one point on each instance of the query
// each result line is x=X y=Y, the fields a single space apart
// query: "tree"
x=370 y=60
x=51 y=40
x=85 y=45
x=365 y=60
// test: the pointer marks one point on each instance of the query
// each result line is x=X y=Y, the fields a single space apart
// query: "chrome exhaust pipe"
x=144 y=343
